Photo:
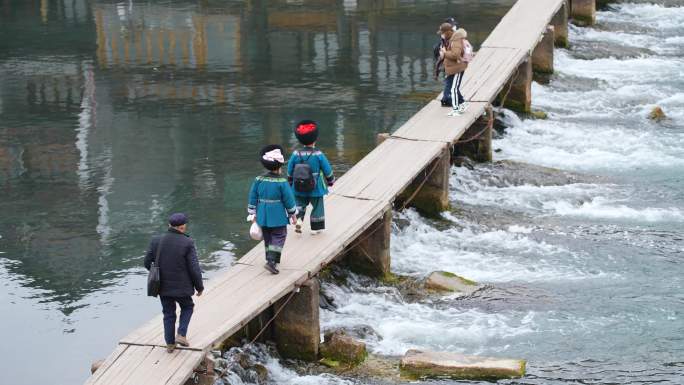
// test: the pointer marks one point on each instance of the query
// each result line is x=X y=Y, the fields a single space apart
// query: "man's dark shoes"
x=271 y=266
x=446 y=103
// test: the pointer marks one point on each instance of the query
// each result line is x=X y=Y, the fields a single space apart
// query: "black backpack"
x=303 y=177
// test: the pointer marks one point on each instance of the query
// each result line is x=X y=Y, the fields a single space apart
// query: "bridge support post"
x=371 y=255
x=560 y=26
x=433 y=196
x=476 y=142
x=583 y=12
x=542 y=56
x=296 y=329
x=517 y=93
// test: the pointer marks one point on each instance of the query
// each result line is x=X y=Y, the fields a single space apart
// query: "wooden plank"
x=149 y=332
x=124 y=366
x=434 y=122
x=107 y=364
x=523 y=25
x=347 y=220
x=345 y=217
x=153 y=334
x=148 y=365
x=184 y=370
x=238 y=308
x=388 y=169
x=160 y=367
x=487 y=74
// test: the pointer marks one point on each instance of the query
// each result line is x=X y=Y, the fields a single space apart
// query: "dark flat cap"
x=177 y=219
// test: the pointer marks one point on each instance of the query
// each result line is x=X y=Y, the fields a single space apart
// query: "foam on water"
x=654 y=16
x=482 y=254
x=597 y=124
x=617 y=72
x=595 y=201
x=405 y=326
x=604 y=208
x=569 y=139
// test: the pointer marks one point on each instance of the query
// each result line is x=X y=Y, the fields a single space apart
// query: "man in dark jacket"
x=180 y=276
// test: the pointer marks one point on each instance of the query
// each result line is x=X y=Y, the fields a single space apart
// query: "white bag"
x=255 y=232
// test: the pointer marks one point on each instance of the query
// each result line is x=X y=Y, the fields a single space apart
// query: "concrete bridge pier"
x=371 y=252
x=542 y=56
x=296 y=329
x=429 y=191
x=476 y=142
x=560 y=26
x=517 y=93
x=583 y=12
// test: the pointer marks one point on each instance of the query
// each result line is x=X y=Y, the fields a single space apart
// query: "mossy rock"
x=539 y=114
x=329 y=362
x=392 y=279
x=424 y=364
x=517 y=106
x=657 y=114
x=444 y=281
x=343 y=349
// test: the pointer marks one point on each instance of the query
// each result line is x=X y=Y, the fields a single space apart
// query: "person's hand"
x=199 y=293
x=251 y=218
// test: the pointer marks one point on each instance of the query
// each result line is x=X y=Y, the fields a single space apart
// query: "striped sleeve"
x=326 y=169
x=253 y=198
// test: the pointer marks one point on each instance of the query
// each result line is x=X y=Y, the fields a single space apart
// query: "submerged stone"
x=329 y=362
x=657 y=114
x=340 y=347
x=464 y=161
x=539 y=114
x=450 y=282
x=261 y=372
x=418 y=364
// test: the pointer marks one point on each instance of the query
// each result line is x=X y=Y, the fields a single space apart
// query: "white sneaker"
x=316 y=232
x=454 y=113
x=463 y=107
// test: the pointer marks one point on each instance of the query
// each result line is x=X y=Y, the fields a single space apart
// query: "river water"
x=112 y=115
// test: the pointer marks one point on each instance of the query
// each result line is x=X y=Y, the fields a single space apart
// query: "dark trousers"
x=452 y=90
x=169 y=311
x=317 y=211
x=274 y=240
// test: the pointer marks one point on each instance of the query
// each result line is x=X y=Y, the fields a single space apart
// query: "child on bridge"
x=310 y=174
x=272 y=204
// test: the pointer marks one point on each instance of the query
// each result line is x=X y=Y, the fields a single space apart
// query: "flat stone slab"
x=418 y=364
x=450 y=282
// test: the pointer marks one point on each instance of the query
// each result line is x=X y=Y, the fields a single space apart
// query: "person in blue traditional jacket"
x=272 y=204
x=321 y=172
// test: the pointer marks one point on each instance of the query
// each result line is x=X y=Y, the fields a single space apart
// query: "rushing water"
x=584 y=263
x=114 y=114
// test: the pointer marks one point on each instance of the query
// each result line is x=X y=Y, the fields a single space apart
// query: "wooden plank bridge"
x=403 y=164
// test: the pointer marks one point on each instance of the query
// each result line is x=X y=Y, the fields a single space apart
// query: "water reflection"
x=113 y=114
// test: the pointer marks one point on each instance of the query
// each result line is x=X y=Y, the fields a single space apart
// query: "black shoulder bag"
x=153 y=277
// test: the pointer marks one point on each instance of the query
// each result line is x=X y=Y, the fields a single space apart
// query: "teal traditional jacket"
x=320 y=167
x=272 y=200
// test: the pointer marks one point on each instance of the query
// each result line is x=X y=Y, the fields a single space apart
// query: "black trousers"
x=169 y=311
